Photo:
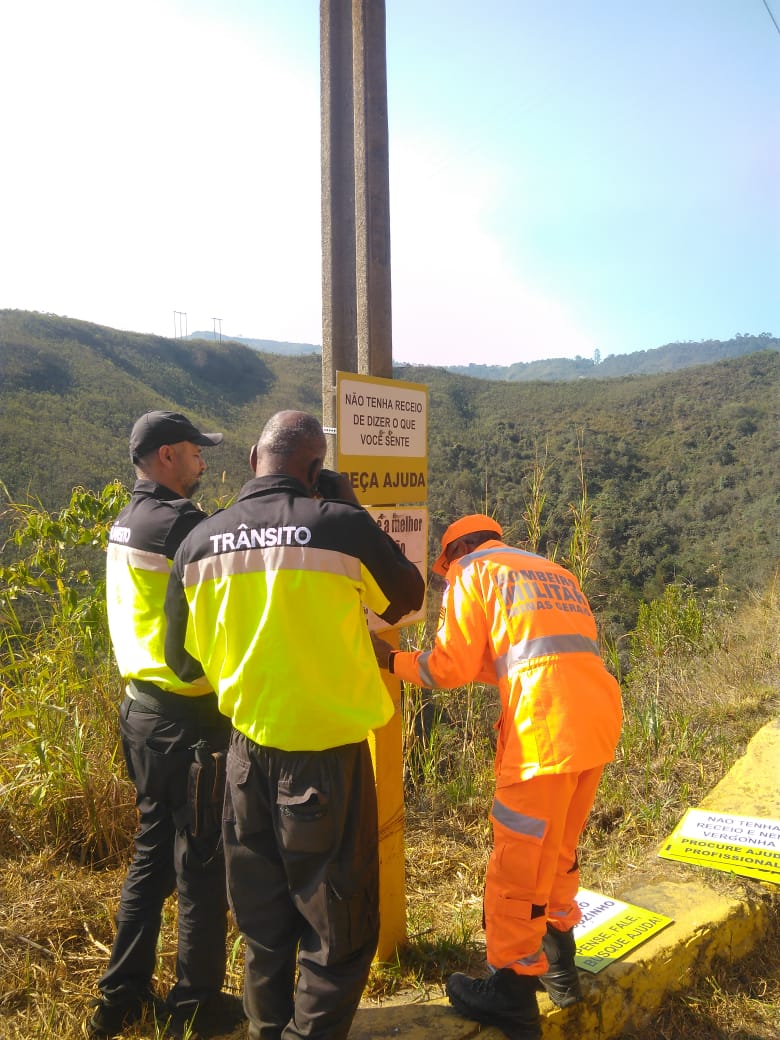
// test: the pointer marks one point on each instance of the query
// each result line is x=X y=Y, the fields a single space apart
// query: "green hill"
x=71 y=391
x=269 y=346
x=669 y=358
x=681 y=468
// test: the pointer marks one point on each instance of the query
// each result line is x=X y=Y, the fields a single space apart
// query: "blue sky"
x=563 y=177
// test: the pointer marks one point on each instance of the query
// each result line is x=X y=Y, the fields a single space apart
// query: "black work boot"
x=504 y=999
x=561 y=979
x=217 y=1015
x=112 y=1018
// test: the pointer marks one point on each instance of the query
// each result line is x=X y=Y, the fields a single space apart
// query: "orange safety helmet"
x=466 y=525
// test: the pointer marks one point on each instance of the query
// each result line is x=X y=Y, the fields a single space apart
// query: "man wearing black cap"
x=162 y=721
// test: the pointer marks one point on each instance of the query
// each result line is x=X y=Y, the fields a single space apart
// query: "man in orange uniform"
x=521 y=622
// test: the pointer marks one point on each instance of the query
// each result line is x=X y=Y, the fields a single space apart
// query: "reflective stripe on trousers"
x=533 y=875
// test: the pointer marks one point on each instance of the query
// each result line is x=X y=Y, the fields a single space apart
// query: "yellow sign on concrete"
x=745 y=845
x=610 y=928
x=382 y=429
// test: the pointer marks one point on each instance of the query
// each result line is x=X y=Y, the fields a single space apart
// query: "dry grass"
x=56 y=929
x=53 y=927
x=56 y=916
x=734 y=1002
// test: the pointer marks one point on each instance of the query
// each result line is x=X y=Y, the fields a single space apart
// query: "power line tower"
x=215 y=320
x=179 y=324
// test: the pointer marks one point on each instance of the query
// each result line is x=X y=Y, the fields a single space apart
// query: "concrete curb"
x=714 y=914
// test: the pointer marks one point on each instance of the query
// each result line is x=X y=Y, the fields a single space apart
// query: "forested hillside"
x=71 y=390
x=681 y=469
x=669 y=358
x=268 y=346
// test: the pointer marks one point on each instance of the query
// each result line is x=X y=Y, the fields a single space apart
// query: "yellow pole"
x=387 y=752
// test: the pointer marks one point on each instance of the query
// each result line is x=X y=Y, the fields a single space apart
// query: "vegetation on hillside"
x=700 y=679
x=669 y=358
x=661 y=491
x=268 y=346
x=71 y=392
x=680 y=469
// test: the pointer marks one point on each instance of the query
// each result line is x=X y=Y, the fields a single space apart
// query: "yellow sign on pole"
x=382 y=427
x=408 y=527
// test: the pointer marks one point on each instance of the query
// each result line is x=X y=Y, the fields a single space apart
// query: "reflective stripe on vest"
x=543 y=646
x=140 y=559
x=275 y=558
x=505 y=550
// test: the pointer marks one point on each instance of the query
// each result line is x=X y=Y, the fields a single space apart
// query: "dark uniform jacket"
x=141 y=545
x=267 y=597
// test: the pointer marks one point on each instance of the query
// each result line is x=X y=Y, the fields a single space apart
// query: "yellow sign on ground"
x=744 y=845
x=610 y=928
x=383 y=438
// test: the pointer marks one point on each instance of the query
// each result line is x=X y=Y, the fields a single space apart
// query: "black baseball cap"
x=154 y=429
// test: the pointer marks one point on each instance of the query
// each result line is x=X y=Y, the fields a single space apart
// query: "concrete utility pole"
x=356 y=322
x=372 y=190
x=339 y=322
x=356 y=298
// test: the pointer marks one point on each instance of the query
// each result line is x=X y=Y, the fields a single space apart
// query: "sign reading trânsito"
x=382 y=438
x=745 y=845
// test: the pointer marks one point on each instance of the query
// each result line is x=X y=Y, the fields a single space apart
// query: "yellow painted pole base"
x=387 y=752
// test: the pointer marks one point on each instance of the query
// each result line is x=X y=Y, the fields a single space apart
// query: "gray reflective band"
x=271 y=558
x=532 y=958
x=530 y=649
x=425 y=675
x=138 y=559
x=515 y=821
x=505 y=550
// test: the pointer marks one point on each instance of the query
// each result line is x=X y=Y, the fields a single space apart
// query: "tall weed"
x=61 y=787
x=703 y=678
x=584 y=541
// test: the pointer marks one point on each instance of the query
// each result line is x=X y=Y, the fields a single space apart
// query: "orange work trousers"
x=533 y=874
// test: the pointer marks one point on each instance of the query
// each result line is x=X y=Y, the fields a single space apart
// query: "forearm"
x=177 y=618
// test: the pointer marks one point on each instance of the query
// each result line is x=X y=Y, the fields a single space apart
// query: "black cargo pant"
x=301 y=851
x=158 y=751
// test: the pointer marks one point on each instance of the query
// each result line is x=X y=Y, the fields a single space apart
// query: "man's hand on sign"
x=382 y=650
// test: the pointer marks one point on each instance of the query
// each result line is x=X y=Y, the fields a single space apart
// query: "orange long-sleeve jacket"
x=521 y=622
